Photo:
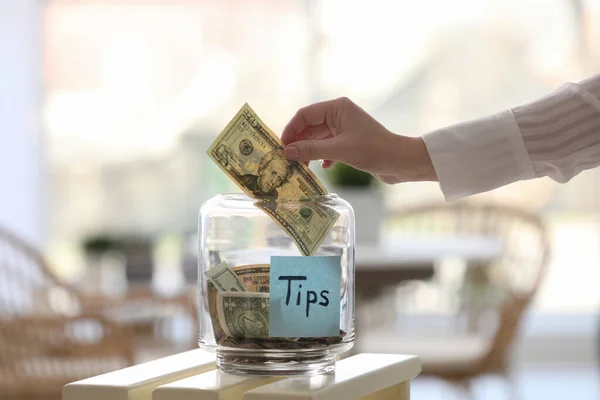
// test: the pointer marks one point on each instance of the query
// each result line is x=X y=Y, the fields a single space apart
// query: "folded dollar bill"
x=252 y=156
x=224 y=279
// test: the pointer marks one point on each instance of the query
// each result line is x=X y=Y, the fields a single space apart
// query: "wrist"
x=413 y=162
x=425 y=170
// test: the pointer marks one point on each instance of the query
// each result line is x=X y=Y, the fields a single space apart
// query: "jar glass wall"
x=264 y=307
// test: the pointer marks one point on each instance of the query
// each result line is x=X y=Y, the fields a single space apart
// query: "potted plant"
x=98 y=244
x=359 y=188
x=136 y=251
x=97 y=249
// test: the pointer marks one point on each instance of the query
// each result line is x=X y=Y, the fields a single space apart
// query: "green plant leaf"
x=343 y=175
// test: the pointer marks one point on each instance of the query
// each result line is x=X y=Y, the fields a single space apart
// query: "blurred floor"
x=533 y=383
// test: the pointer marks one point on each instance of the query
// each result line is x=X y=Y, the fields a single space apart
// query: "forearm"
x=561 y=131
x=557 y=136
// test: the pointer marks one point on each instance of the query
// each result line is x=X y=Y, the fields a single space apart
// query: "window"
x=137 y=89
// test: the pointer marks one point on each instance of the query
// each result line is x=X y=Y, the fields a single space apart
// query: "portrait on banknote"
x=274 y=171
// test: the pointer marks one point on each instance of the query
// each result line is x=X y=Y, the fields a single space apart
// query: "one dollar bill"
x=244 y=315
x=252 y=156
x=254 y=278
x=224 y=279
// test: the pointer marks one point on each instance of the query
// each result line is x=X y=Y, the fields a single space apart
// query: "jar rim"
x=244 y=197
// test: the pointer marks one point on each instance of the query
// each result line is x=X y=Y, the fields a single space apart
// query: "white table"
x=192 y=376
x=401 y=258
x=402 y=252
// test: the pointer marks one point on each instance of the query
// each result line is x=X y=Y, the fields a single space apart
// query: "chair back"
x=27 y=286
x=491 y=296
x=46 y=338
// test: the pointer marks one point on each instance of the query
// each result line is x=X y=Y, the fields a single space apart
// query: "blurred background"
x=107 y=108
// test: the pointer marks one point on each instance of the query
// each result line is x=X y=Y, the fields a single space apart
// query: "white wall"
x=20 y=133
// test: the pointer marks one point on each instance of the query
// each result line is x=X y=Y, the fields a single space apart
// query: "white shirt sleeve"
x=556 y=136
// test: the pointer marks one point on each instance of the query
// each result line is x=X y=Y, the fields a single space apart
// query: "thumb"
x=308 y=150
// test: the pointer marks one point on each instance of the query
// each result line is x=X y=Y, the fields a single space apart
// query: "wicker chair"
x=51 y=334
x=480 y=306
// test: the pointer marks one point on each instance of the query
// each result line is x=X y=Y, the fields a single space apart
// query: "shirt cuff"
x=479 y=155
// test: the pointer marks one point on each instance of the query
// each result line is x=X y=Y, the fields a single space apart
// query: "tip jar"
x=276 y=283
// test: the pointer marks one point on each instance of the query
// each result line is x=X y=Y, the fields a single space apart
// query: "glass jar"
x=264 y=306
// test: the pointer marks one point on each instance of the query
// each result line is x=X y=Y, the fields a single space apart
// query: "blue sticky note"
x=304 y=299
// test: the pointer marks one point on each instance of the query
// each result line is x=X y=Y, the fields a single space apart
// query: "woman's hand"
x=339 y=130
